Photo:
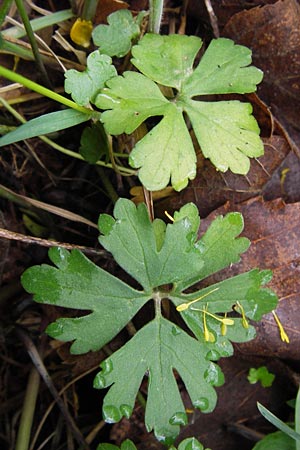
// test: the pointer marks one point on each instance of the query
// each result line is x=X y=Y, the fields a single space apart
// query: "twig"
x=213 y=18
x=46 y=243
x=26 y=202
x=245 y=431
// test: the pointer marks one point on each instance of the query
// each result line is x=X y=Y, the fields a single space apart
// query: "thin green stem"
x=30 y=34
x=89 y=9
x=4 y=10
x=157 y=303
x=111 y=192
x=155 y=15
x=121 y=169
x=12 y=76
x=23 y=437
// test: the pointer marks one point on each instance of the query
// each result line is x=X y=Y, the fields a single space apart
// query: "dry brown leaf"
x=211 y=189
x=223 y=9
x=273 y=34
x=273 y=228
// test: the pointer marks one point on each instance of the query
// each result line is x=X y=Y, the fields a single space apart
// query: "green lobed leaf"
x=220 y=246
x=126 y=445
x=186 y=444
x=223 y=70
x=78 y=283
x=165 y=260
x=115 y=38
x=277 y=440
x=168 y=60
x=45 y=124
x=166 y=152
x=93 y=143
x=226 y=131
x=130 y=99
x=245 y=288
x=131 y=240
x=220 y=298
x=189 y=211
x=84 y=86
x=190 y=444
x=261 y=374
x=159 y=348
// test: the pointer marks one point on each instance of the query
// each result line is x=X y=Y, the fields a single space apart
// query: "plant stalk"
x=89 y=9
x=23 y=437
x=157 y=303
x=121 y=169
x=4 y=10
x=33 y=43
x=155 y=15
x=12 y=76
x=111 y=192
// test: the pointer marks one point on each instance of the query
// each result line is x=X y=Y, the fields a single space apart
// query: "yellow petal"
x=81 y=32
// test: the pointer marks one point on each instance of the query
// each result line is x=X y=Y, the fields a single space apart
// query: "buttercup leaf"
x=190 y=444
x=186 y=444
x=130 y=99
x=78 y=283
x=223 y=69
x=115 y=38
x=153 y=156
x=221 y=238
x=152 y=56
x=165 y=347
x=84 y=86
x=132 y=242
x=164 y=260
x=226 y=131
x=261 y=374
x=93 y=143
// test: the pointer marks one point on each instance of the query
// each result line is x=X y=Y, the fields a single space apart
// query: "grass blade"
x=48 y=123
x=278 y=423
